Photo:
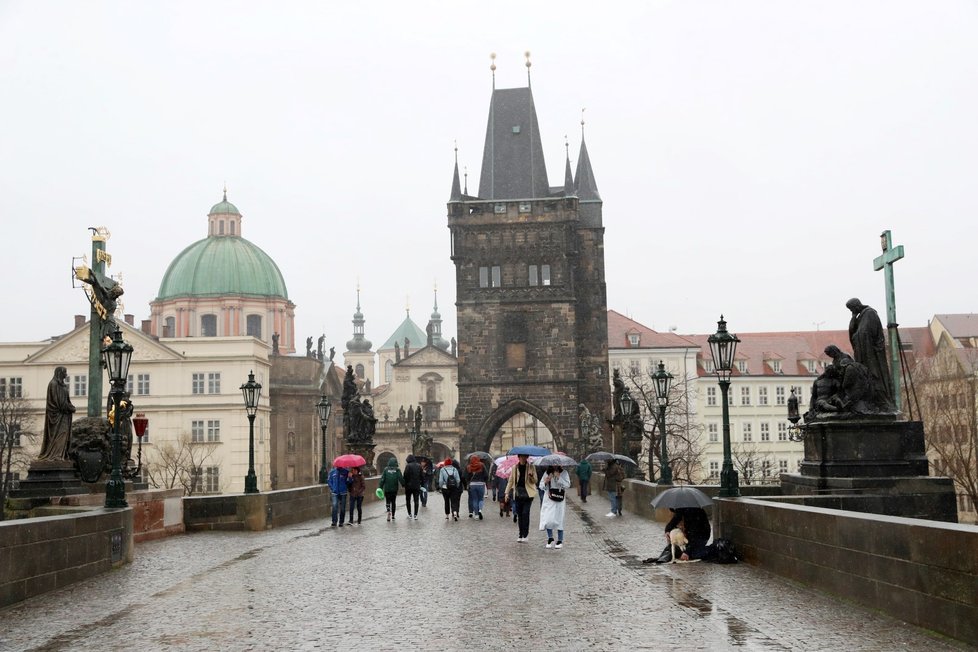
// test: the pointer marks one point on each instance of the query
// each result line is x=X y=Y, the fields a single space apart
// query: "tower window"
x=545 y=274
x=497 y=276
x=359 y=371
x=534 y=275
x=170 y=327
x=483 y=277
x=231 y=226
x=220 y=227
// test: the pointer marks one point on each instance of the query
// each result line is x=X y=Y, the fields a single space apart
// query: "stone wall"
x=923 y=572
x=261 y=511
x=156 y=513
x=41 y=554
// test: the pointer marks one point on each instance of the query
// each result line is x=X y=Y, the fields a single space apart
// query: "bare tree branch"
x=180 y=463
x=16 y=430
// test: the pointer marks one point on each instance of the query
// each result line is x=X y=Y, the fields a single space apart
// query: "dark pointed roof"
x=456 y=186
x=513 y=166
x=587 y=187
x=568 y=177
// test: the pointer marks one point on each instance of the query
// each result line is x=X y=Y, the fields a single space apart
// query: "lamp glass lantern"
x=723 y=348
x=117 y=356
x=251 y=391
x=324 y=407
x=625 y=402
x=662 y=380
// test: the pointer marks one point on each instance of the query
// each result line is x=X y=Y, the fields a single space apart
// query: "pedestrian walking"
x=522 y=484
x=338 y=489
x=555 y=483
x=584 y=471
x=390 y=480
x=477 y=479
x=413 y=477
x=614 y=476
x=427 y=476
x=357 y=488
x=450 y=484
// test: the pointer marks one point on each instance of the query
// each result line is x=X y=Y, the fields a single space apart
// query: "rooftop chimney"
x=145 y=326
x=80 y=321
x=131 y=320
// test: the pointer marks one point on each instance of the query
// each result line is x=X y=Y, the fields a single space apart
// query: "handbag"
x=556 y=494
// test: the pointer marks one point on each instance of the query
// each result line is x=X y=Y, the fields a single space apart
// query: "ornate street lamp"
x=795 y=432
x=325 y=406
x=723 y=347
x=116 y=356
x=251 y=392
x=662 y=380
x=625 y=402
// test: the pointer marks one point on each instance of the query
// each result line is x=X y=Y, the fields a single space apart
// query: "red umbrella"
x=349 y=460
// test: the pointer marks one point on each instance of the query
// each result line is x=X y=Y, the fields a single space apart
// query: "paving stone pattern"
x=437 y=584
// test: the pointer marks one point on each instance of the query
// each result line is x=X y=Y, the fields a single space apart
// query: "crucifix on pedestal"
x=885 y=262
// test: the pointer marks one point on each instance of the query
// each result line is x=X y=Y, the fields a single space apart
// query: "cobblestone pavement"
x=433 y=583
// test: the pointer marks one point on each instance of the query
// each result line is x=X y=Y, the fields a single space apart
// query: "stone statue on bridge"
x=869 y=349
x=58 y=414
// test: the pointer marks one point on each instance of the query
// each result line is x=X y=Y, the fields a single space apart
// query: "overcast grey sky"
x=748 y=153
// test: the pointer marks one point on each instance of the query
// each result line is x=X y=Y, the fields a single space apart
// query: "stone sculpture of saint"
x=869 y=348
x=417 y=420
x=57 y=418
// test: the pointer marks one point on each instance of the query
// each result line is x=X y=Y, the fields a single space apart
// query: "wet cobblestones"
x=433 y=583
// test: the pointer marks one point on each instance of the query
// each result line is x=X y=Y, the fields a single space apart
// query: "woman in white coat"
x=554 y=484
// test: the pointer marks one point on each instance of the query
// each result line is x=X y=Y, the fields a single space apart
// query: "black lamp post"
x=795 y=432
x=723 y=347
x=662 y=380
x=251 y=392
x=325 y=406
x=116 y=356
x=625 y=402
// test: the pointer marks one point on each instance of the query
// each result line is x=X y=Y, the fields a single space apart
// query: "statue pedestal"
x=872 y=464
x=46 y=478
x=366 y=450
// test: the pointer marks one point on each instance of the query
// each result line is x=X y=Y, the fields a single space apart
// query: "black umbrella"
x=602 y=456
x=480 y=454
x=682 y=496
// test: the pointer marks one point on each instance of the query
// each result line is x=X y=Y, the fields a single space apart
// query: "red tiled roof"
x=619 y=326
x=792 y=348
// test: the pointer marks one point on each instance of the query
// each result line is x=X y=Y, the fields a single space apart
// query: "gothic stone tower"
x=531 y=298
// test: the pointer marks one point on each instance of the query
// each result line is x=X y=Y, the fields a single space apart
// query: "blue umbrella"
x=529 y=450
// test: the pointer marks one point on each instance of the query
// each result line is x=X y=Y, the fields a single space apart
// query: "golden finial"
x=407 y=304
x=528 y=64
x=225 y=191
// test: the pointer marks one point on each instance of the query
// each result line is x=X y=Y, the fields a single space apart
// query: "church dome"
x=222 y=266
x=224 y=208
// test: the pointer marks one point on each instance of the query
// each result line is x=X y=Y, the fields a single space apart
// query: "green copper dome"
x=224 y=208
x=221 y=266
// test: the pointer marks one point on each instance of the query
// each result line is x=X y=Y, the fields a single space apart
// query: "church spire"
x=434 y=325
x=568 y=177
x=456 y=185
x=359 y=343
x=587 y=187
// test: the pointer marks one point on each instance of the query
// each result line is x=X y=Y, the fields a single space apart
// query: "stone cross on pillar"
x=885 y=262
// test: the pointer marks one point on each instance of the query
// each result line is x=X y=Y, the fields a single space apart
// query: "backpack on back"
x=451 y=479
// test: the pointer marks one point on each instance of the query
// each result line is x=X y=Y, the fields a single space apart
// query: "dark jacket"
x=357 y=485
x=696 y=525
x=584 y=471
x=413 y=475
x=391 y=478
x=613 y=476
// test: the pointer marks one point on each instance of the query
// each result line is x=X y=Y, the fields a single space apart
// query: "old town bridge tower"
x=530 y=287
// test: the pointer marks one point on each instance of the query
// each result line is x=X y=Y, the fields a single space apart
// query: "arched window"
x=208 y=326
x=253 y=325
x=220 y=228
x=430 y=392
x=359 y=371
x=170 y=327
x=231 y=225
x=388 y=371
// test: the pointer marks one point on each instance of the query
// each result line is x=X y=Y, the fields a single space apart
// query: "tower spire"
x=528 y=64
x=587 y=187
x=456 y=186
x=492 y=67
x=466 y=190
x=568 y=177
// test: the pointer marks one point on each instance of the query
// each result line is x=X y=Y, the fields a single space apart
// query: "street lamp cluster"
x=723 y=348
